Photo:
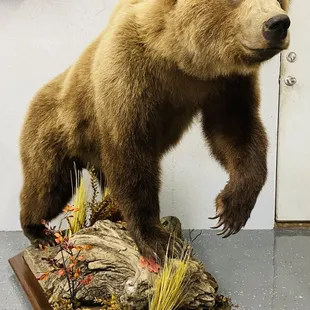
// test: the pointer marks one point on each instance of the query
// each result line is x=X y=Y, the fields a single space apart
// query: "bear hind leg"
x=44 y=198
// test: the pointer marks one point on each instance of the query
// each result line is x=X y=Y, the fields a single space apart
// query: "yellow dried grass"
x=77 y=222
x=171 y=284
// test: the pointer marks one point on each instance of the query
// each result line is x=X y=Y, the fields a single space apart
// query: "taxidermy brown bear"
x=133 y=93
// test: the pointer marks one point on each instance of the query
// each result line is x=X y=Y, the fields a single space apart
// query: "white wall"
x=39 y=39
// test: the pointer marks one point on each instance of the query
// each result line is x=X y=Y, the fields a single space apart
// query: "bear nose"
x=275 y=29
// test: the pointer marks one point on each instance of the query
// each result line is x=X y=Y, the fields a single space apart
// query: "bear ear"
x=284 y=4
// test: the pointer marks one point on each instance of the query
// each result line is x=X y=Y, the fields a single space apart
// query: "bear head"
x=209 y=38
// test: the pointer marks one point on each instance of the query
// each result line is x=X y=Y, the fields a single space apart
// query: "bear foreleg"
x=237 y=138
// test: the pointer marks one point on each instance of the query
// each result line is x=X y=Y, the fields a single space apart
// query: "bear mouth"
x=262 y=54
x=266 y=53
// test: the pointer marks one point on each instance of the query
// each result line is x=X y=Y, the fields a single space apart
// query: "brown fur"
x=130 y=97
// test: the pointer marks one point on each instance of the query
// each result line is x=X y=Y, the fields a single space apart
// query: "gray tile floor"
x=259 y=270
x=12 y=296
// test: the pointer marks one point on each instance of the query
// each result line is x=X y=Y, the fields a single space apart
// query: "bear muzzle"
x=275 y=30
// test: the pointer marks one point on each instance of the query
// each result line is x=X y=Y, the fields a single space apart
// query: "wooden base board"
x=29 y=283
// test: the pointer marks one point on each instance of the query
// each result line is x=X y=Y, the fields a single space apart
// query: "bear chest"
x=172 y=123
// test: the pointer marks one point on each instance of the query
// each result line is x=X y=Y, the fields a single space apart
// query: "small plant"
x=111 y=304
x=71 y=264
x=104 y=209
x=61 y=304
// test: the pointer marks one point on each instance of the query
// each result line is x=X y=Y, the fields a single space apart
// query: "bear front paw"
x=37 y=236
x=233 y=209
x=157 y=244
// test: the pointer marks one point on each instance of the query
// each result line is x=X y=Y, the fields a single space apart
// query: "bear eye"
x=284 y=4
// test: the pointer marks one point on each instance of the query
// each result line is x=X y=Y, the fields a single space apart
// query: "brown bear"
x=132 y=94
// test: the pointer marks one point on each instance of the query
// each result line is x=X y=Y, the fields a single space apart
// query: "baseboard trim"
x=292 y=225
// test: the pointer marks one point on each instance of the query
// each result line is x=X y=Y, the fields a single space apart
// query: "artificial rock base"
x=114 y=263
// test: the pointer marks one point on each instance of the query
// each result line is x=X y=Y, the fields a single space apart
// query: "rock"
x=173 y=225
x=114 y=263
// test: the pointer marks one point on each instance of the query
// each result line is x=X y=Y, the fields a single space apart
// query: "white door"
x=293 y=175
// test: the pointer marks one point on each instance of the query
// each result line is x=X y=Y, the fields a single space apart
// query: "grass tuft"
x=78 y=219
x=171 y=284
